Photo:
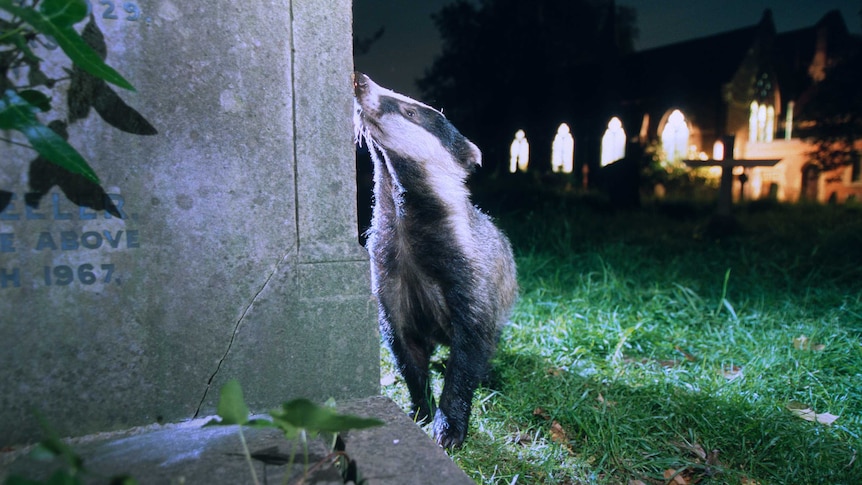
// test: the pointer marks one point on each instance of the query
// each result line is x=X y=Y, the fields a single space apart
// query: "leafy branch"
x=54 y=20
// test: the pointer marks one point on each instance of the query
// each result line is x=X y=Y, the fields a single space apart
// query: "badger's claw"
x=449 y=433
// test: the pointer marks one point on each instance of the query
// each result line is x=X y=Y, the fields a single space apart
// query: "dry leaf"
x=540 y=412
x=387 y=380
x=808 y=414
x=804 y=343
x=693 y=448
x=671 y=475
x=558 y=434
x=732 y=372
x=554 y=371
x=523 y=439
x=749 y=481
x=601 y=399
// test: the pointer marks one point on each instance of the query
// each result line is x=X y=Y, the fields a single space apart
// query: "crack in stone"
x=239 y=323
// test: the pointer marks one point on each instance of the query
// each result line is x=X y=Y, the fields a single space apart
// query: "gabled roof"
x=703 y=64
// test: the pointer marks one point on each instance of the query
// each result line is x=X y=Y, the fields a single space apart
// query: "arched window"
x=761 y=122
x=674 y=136
x=563 y=150
x=519 y=152
x=613 y=142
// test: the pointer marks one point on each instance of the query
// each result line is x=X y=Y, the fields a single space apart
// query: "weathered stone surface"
x=236 y=252
x=397 y=453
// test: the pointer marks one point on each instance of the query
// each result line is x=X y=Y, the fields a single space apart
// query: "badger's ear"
x=474 y=155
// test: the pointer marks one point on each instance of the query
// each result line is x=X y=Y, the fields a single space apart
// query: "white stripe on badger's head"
x=411 y=129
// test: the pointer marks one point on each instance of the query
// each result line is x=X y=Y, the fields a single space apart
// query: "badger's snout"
x=360 y=83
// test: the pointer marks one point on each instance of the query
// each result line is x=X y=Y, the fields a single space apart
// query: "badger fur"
x=442 y=273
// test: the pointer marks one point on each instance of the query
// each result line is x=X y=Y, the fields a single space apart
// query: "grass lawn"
x=647 y=349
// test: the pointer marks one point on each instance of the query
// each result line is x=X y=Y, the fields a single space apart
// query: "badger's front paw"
x=449 y=431
x=420 y=416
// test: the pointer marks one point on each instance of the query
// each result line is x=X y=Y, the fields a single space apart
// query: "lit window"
x=563 y=150
x=718 y=150
x=519 y=152
x=613 y=142
x=761 y=122
x=674 y=136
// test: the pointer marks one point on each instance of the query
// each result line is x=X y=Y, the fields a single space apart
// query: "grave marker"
x=224 y=245
x=725 y=188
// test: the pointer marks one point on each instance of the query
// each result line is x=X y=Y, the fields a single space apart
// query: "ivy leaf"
x=54 y=20
x=17 y=114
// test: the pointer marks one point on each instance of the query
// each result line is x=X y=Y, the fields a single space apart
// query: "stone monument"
x=221 y=241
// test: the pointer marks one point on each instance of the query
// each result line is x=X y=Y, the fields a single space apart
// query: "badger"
x=442 y=272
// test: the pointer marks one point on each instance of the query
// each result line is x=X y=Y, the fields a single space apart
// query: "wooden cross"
x=725 y=187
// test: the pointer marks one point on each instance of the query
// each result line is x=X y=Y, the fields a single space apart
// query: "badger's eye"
x=410 y=112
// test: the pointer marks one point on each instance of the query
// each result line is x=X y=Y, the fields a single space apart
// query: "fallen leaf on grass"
x=558 y=435
x=554 y=371
x=808 y=414
x=674 y=477
x=601 y=399
x=521 y=438
x=732 y=372
x=540 y=412
x=693 y=448
x=804 y=343
x=387 y=380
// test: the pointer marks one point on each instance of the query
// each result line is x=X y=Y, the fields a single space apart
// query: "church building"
x=751 y=83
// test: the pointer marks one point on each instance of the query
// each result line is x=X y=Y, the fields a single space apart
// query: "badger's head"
x=411 y=129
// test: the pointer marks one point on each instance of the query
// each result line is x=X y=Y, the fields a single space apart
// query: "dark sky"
x=411 y=42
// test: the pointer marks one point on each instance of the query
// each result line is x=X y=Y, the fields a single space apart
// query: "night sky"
x=411 y=42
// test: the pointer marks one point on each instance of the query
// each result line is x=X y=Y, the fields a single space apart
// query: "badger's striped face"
x=409 y=128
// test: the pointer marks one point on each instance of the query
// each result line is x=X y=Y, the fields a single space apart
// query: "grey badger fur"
x=442 y=273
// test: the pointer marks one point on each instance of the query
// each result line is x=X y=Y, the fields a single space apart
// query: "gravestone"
x=725 y=189
x=222 y=240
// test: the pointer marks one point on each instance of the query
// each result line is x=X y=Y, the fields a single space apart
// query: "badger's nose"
x=360 y=82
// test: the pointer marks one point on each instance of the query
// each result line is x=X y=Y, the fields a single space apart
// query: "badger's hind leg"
x=412 y=358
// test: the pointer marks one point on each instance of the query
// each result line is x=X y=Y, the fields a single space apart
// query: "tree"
x=832 y=118
x=510 y=64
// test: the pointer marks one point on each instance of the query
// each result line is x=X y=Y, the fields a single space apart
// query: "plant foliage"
x=297 y=419
x=22 y=25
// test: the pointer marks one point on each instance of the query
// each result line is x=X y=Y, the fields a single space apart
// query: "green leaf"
x=67 y=38
x=64 y=13
x=36 y=99
x=62 y=477
x=231 y=407
x=17 y=114
x=41 y=452
x=304 y=414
